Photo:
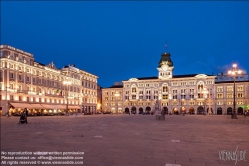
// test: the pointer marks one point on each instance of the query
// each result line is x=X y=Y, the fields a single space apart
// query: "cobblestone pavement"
x=132 y=140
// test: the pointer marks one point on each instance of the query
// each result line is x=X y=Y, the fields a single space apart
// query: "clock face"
x=164 y=68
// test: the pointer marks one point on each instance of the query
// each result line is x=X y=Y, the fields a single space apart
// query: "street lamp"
x=205 y=92
x=67 y=82
x=234 y=72
x=116 y=97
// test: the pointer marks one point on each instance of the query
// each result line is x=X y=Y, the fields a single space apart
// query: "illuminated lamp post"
x=234 y=72
x=116 y=97
x=67 y=82
x=205 y=92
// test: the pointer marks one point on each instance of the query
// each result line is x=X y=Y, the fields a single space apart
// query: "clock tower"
x=165 y=67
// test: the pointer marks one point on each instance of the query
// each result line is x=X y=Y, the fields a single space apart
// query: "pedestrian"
x=163 y=115
x=245 y=113
x=25 y=111
x=8 y=114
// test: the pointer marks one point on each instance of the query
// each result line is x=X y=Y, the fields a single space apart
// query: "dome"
x=165 y=59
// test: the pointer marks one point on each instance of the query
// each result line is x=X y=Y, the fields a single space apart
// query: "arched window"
x=165 y=88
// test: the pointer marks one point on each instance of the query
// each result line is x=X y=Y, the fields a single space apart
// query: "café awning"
x=74 y=107
x=37 y=106
x=21 y=105
x=52 y=106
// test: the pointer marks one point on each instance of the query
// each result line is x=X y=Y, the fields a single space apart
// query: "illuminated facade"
x=194 y=93
x=25 y=83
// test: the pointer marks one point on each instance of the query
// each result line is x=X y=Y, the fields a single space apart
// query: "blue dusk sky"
x=118 y=40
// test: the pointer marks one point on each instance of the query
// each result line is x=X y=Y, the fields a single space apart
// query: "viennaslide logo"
x=236 y=155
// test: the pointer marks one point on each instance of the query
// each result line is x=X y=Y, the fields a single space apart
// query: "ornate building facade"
x=43 y=89
x=193 y=93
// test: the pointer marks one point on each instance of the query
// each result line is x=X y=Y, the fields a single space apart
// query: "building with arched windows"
x=25 y=83
x=191 y=93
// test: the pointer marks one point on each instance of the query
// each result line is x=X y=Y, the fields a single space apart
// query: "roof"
x=115 y=86
x=222 y=82
x=165 y=59
x=174 y=76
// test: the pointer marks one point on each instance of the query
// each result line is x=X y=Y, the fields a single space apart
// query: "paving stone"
x=131 y=140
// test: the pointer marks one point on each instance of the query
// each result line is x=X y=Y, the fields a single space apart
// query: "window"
x=219 y=89
x=175 y=84
x=182 y=90
x=229 y=88
x=183 y=96
x=219 y=103
x=209 y=82
x=33 y=80
x=133 y=97
x=191 y=90
x=165 y=96
x=147 y=92
x=191 y=96
x=140 y=97
x=11 y=75
x=240 y=95
x=174 y=91
x=200 y=87
x=147 y=97
x=200 y=95
x=191 y=83
x=174 y=96
x=133 y=89
x=191 y=103
x=28 y=79
x=239 y=102
x=165 y=89
x=183 y=83
x=240 y=88
x=219 y=95
x=229 y=95
x=141 y=92
x=20 y=77
x=11 y=86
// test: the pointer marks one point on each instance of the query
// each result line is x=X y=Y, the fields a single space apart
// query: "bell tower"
x=165 y=67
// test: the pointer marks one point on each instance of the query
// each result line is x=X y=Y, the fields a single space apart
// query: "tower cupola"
x=165 y=67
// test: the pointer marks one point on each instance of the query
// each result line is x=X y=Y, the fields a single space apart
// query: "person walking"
x=8 y=114
x=163 y=115
x=25 y=111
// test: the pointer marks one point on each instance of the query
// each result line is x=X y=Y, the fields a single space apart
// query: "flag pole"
x=166 y=46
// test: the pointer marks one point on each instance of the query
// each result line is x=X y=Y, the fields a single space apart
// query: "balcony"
x=23 y=91
x=53 y=95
